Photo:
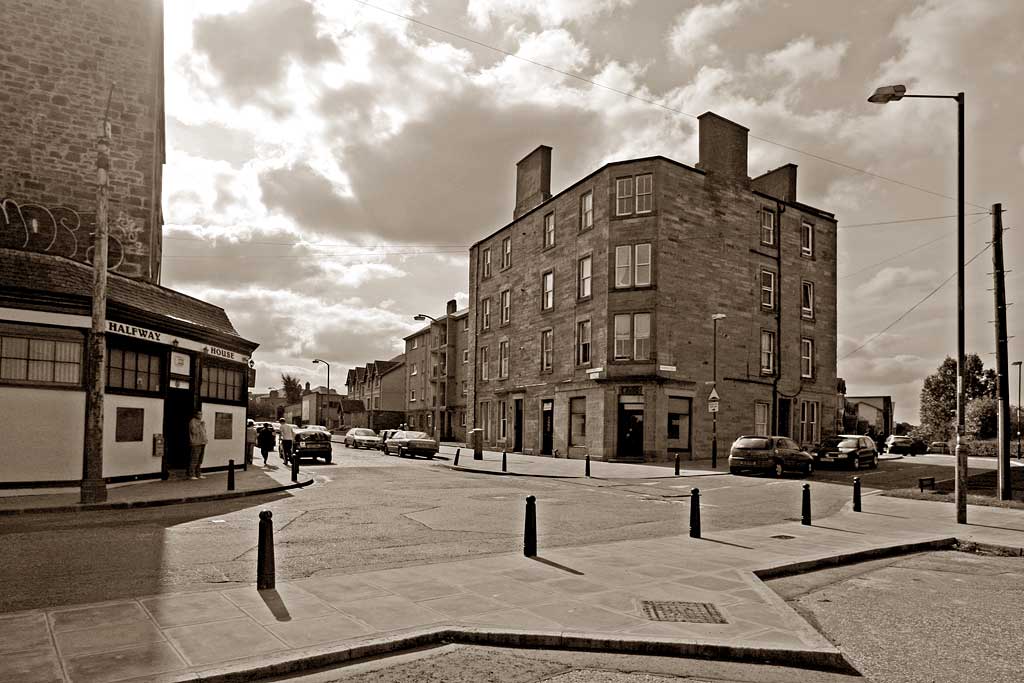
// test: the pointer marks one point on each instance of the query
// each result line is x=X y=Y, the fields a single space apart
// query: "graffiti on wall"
x=62 y=231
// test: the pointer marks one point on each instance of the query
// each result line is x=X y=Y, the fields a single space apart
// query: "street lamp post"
x=714 y=385
x=434 y=410
x=1018 y=364
x=315 y=361
x=894 y=93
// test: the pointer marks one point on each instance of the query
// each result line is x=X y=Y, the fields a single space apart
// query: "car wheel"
x=874 y=462
x=430 y=456
x=328 y=459
x=779 y=470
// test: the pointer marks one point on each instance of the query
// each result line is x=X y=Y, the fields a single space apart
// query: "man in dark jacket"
x=265 y=440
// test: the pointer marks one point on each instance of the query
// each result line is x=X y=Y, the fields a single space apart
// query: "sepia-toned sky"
x=329 y=162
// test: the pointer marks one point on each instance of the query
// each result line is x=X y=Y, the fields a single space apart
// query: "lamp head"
x=718 y=316
x=420 y=317
x=888 y=93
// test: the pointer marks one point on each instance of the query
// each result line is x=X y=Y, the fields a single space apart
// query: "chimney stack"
x=533 y=180
x=451 y=307
x=779 y=183
x=723 y=148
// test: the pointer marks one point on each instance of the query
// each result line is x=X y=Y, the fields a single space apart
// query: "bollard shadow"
x=881 y=514
x=551 y=563
x=734 y=545
x=272 y=599
x=832 y=528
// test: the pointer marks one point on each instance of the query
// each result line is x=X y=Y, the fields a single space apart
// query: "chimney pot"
x=451 y=307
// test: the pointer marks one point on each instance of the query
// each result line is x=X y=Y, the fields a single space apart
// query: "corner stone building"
x=168 y=355
x=591 y=327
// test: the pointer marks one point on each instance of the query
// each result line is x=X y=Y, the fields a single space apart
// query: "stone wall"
x=58 y=59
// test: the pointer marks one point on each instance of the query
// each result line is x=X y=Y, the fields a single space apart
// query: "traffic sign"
x=713 y=396
x=712 y=406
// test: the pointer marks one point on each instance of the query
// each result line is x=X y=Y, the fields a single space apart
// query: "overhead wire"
x=915 y=306
x=650 y=101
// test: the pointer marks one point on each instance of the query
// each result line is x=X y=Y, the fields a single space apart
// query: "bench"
x=930 y=481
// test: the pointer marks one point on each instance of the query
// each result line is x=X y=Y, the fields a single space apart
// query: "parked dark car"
x=775 y=454
x=312 y=443
x=905 y=445
x=851 y=450
x=361 y=437
x=411 y=443
x=385 y=434
x=939 y=448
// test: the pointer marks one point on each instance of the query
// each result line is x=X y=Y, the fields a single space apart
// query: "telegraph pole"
x=94 y=486
x=1005 y=486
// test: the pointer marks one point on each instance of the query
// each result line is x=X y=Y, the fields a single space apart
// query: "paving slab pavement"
x=256 y=480
x=599 y=597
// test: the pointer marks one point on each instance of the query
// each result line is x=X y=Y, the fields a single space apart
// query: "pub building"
x=168 y=355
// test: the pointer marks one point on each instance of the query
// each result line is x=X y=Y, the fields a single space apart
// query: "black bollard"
x=677 y=464
x=265 y=553
x=295 y=467
x=586 y=471
x=530 y=533
x=245 y=464
x=504 y=462
x=856 y=494
x=457 y=457
x=694 y=513
x=231 y=475
x=805 y=513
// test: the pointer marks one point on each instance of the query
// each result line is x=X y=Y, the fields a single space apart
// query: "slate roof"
x=58 y=284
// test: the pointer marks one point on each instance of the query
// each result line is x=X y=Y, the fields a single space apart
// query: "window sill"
x=548 y=247
x=634 y=214
x=807 y=318
x=35 y=384
x=633 y=288
x=584 y=299
x=585 y=229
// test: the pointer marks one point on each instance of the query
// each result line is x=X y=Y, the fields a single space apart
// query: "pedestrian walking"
x=197 y=441
x=265 y=440
x=287 y=438
x=250 y=440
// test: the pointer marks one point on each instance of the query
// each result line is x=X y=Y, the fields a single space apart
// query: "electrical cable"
x=649 y=101
x=914 y=307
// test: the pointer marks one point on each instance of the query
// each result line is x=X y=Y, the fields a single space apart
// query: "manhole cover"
x=673 y=610
x=784 y=537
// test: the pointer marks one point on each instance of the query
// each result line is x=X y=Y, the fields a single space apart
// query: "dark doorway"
x=547 y=427
x=784 y=418
x=631 y=430
x=517 y=425
x=178 y=409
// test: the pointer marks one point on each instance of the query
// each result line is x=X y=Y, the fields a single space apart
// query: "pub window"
x=133 y=371
x=220 y=383
x=679 y=422
x=42 y=361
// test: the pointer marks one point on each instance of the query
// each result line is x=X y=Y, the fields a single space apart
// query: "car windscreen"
x=839 y=442
x=417 y=435
x=752 y=442
x=364 y=432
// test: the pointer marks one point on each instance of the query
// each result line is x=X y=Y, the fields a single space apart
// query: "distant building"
x=437 y=375
x=871 y=415
x=590 y=313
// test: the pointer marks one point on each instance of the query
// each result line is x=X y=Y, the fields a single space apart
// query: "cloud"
x=898 y=281
x=212 y=141
x=803 y=59
x=251 y=50
x=690 y=38
x=548 y=13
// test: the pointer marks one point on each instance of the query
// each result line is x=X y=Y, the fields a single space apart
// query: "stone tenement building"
x=591 y=312
x=58 y=60
x=438 y=375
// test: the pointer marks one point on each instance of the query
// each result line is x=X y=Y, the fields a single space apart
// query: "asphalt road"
x=366 y=511
x=946 y=616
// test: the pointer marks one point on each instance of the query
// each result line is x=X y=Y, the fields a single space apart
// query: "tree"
x=292 y=388
x=938 y=395
x=982 y=418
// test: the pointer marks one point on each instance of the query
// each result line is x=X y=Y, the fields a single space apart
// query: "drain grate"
x=673 y=610
x=784 y=537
